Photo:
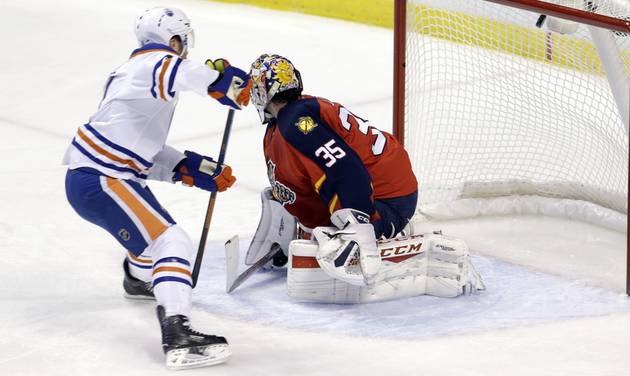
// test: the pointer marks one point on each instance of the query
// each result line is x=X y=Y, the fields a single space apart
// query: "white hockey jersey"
x=126 y=137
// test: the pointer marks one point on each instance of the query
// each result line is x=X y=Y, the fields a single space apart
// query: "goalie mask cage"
x=516 y=106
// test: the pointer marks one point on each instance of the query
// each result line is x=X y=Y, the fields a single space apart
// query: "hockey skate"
x=135 y=288
x=186 y=348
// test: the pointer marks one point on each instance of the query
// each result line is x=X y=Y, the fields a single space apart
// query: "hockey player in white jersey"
x=123 y=144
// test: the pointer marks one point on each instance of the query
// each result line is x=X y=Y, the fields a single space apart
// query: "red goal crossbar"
x=544 y=8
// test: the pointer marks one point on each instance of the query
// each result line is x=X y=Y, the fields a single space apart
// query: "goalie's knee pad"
x=421 y=264
x=276 y=226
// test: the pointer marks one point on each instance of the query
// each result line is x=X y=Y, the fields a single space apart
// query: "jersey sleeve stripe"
x=151 y=224
x=109 y=82
x=167 y=62
x=119 y=148
x=171 y=79
x=157 y=66
x=106 y=153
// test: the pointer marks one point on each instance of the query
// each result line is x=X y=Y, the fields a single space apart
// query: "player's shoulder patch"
x=306 y=124
x=301 y=116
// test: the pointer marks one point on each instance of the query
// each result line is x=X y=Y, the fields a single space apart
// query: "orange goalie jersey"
x=321 y=158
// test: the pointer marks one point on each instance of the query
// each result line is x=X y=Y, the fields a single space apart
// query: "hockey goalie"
x=347 y=184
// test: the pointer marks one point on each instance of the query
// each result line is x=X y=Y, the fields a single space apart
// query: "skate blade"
x=138 y=297
x=198 y=356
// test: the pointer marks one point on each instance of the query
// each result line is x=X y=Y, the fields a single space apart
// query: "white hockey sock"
x=140 y=267
x=174 y=297
x=172 y=271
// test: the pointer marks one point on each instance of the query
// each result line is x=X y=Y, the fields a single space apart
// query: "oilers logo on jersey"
x=280 y=192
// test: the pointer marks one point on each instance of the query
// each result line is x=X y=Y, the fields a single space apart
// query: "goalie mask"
x=274 y=77
x=159 y=25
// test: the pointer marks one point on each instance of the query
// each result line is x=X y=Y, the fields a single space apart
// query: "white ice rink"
x=554 y=304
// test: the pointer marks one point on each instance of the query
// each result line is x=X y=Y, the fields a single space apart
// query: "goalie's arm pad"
x=276 y=226
x=345 y=182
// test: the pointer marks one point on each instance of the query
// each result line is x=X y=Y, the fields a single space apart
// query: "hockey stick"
x=213 y=198
x=232 y=250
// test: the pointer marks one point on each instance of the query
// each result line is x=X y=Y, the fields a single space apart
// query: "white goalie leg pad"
x=416 y=265
x=276 y=226
x=450 y=272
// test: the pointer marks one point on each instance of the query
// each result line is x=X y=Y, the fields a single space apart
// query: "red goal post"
x=568 y=61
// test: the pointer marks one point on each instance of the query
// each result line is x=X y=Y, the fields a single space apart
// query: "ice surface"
x=516 y=296
x=554 y=304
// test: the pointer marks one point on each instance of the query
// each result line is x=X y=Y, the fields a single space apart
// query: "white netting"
x=497 y=106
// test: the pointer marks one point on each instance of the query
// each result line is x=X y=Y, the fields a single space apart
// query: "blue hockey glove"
x=203 y=172
x=233 y=86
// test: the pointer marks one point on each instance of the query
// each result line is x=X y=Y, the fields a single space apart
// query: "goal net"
x=504 y=110
x=497 y=106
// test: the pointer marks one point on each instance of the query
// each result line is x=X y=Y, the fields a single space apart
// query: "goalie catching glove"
x=349 y=252
x=203 y=172
x=232 y=87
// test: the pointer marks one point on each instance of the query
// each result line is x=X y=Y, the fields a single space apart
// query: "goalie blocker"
x=429 y=264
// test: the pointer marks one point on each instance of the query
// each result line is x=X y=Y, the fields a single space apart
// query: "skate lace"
x=190 y=329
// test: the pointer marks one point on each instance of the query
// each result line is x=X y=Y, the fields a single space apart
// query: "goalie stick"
x=213 y=198
x=233 y=279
